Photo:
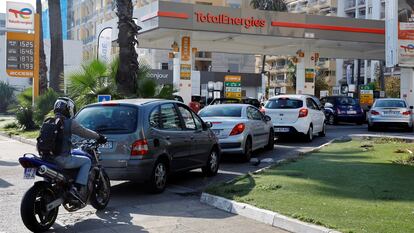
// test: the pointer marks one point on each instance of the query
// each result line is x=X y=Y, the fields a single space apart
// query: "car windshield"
x=109 y=119
x=346 y=101
x=221 y=111
x=284 y=103
x=390 y=104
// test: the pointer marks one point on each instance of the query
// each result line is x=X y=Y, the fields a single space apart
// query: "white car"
x=240 y=128
x=296 y=114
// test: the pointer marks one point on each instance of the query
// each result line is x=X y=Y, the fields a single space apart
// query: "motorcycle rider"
x=64 y=109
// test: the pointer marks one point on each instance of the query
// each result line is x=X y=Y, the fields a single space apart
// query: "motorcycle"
x=40 y=204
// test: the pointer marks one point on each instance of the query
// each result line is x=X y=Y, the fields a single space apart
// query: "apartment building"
x=319 y=7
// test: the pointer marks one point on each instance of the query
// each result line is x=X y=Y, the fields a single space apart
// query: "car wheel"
x=410 y=128
x=309 y=135
x=331 y=119
x=212 y=165
x=271 y=141
x=371 y=127
x=159 y=175
x=248 y=150
x=323 y=132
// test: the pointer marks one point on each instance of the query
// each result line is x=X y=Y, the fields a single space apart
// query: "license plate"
x=282 y=130
x=107 y=145
x=216 y=132
x=391 y=113
x=351 y=112
x=29 y=173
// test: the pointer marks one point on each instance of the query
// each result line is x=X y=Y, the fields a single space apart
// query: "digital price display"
x=20 y=57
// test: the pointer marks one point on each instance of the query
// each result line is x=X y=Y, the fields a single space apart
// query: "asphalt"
x=178 y=209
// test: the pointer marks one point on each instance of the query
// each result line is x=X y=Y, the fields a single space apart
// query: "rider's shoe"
x=78 y=194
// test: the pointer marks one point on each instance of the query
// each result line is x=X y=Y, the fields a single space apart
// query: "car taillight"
x=139 y=147
x=238 y=129
x=406 y=113
x=303 y=112
x=373 y=112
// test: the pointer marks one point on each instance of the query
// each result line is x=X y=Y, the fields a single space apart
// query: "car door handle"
x=167 y=137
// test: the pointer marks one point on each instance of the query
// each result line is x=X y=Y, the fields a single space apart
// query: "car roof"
x=390 y=99
x=137 y=102
x=228 y=105
x=301 y=97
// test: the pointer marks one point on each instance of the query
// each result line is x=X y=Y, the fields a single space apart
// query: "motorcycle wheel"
x=33 y=209
x=101 y=192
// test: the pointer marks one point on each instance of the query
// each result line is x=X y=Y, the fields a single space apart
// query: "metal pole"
x=99 y=36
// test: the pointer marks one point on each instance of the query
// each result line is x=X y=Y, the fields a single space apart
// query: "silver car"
x=390 y=112
x=240 y=128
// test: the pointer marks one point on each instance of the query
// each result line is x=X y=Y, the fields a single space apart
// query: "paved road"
x=133 y=210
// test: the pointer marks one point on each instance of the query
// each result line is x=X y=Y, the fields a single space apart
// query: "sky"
x=3 y=4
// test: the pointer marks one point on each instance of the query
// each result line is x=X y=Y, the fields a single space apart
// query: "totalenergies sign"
x=225 y=19
x=19 y=16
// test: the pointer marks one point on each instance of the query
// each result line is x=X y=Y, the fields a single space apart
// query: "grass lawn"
x=352 y=187
x=32 y=134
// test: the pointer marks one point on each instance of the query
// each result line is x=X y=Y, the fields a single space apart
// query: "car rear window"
x=284 y=103
x=109 y=119
x=390 y=104
x=346 y=101
x=221 y=111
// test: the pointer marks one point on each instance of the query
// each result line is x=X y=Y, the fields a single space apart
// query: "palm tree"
x=43 y=66
x=126 y=77
x=269 y=5
x=56 y=45
x=93 y=79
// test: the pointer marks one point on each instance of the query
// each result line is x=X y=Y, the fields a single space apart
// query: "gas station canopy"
x=248 y=31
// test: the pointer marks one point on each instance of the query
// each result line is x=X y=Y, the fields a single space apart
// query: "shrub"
x=24 y=116
x=44 y=104
x=6 y=96
x=11 y=125
x=25 y=98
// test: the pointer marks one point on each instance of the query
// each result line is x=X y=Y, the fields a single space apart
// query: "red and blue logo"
x=23 y=13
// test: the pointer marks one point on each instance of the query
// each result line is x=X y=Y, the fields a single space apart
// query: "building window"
x=2 y=23
x=233 y=67
x=164 y=66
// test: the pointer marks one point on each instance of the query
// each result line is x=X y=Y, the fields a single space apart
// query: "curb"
x=20 y=139
x=265 y=216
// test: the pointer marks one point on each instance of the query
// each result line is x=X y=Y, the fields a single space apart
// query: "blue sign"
x=103 y=98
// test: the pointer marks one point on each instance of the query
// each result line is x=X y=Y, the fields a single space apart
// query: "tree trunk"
x=56 y=45
x=42 y=63
x=126 y=77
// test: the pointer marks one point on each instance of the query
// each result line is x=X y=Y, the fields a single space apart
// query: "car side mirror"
x=267 y=118
x=208 y=125
x=328 y=105
x=411 y=107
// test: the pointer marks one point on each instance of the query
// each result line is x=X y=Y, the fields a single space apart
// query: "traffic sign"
x=233 y=89
x=104 y=98
x=233 y=95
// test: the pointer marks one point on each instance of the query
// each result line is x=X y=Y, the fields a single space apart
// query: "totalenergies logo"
x=24 y=13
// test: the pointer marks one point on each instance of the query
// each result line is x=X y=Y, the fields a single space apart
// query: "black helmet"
x=64 y=106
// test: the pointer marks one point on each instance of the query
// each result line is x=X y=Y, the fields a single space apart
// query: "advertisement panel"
x=19 y=15
x=105 y=45
x=366 y=95
x=406 y=33
x=233 y=86
x=185 y=48
x=309 y=75
x=185 y=72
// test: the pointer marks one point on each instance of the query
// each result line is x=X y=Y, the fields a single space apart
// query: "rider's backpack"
x=50 y=138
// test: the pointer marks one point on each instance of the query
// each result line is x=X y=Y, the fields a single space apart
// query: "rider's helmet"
x=65 y=106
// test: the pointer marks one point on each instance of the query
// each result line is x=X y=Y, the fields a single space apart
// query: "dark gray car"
x=149 y=139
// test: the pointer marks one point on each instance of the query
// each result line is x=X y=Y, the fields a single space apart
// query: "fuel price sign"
x=20 y=55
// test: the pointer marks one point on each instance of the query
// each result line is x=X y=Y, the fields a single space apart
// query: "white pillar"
x=376 y=9
x=182 y=68
x=341 y=8
x=366 y=72
x=303 y=87
x=176 y=71
x=339 y=71
x=407 y=85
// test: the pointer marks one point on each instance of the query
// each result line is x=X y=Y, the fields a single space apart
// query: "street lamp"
x=99 y=36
